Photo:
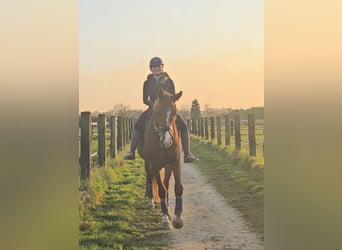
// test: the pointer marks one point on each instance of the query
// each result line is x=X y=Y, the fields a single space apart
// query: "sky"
x=212 y=50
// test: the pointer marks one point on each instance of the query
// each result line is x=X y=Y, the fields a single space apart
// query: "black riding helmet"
x=156 y=61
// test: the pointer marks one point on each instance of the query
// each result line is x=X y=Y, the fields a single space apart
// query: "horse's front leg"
x=168 y=172
x=163 y=204
x=178 y=220
x=149 y=192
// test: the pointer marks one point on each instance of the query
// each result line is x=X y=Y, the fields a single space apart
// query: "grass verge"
x=113 y=209
x=236 y=178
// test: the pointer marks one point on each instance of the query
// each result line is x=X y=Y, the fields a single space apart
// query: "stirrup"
x=190 y=158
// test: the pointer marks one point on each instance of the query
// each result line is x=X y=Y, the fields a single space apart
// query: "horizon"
x=179 y=108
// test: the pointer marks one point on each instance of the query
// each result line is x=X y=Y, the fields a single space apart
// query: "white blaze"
x=167 y=139
x=167 y=136
x=168 y=113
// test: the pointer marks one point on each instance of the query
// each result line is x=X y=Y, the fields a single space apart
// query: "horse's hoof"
x=166 y=226
x=178 y=222
x=150 y=204
x=166 y=222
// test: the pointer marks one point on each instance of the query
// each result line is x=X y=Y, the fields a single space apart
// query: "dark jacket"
x=151 y=86
x=150 y=91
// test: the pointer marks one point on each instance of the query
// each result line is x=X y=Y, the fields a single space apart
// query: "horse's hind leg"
x=163 y=205
x=149 y=192
x=178 y=220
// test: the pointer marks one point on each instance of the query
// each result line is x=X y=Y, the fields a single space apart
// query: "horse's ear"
x=160 y=93
x=177 y=96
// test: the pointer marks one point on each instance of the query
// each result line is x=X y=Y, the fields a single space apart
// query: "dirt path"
x=209 y=223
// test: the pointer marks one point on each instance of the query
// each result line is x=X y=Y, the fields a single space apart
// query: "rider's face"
x=156 y=70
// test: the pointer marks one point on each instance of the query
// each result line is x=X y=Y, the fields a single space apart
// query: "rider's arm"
x=170 y=87
x=146 y=95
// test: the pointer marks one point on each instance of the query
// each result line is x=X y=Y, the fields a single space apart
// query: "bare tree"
x=184 y=111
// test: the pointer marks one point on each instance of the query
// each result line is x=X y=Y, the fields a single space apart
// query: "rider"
x=158 y=79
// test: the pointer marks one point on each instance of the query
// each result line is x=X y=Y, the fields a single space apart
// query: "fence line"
x=120 y=129
x=232 y=128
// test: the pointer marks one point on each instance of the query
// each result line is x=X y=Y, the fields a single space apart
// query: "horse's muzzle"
x=166 y=140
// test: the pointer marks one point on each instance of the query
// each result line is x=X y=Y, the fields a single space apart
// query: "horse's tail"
x=155 y=190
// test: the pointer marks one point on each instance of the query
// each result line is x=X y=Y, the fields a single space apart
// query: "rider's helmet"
x=156 y=61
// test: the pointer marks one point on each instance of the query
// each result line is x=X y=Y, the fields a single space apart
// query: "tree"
x=208 y=111
x=195 y=112
x=184 y=111
x=120 y=109
x=123 y=110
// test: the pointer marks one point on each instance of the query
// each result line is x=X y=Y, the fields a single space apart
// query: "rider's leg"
x=188 y=157
x=134 y=142
x=137 y=134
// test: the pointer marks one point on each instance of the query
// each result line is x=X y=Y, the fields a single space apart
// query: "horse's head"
x=164 y=117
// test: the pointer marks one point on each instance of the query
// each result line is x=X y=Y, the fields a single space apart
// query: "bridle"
x=166 y=130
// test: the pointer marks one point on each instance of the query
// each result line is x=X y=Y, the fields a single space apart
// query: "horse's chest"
x=164 y=157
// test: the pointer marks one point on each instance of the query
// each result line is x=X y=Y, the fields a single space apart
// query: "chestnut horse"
x=162 y=149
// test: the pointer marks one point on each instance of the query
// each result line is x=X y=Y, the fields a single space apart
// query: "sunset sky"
x=213 y=51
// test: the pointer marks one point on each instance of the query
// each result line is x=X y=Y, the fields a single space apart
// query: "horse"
x=162 y=149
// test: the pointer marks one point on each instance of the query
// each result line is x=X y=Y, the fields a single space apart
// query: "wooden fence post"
x=85 y=159
x=198 y=128
x=188 y=124
x=251 y=135
x=128 y=130
x=202 y=127
x=231 y=127
x=237 y=132
x=193 y=126
x=101 y=128
x=119 y=137
x=212 y=132
x=218 y=130
x=206 y=132
x=131 y=125
x=124 y=131
x=199 y=132
x=226 y=130
x=112 y=136
x=124 y=134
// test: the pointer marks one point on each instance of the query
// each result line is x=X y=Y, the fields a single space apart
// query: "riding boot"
x=188 y=157
x=134 y=142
